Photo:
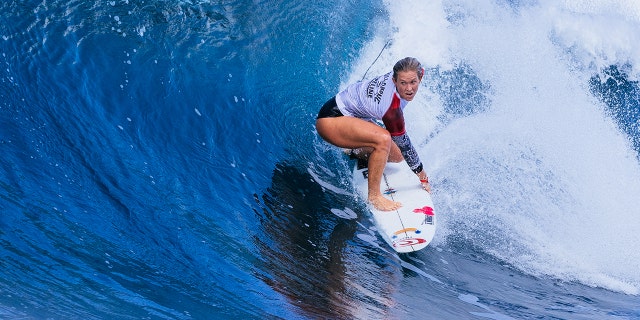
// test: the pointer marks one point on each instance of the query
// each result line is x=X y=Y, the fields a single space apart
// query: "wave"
x=535 y=165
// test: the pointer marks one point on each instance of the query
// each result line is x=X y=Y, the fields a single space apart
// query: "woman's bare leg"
x=350 y=132
x=395 y=155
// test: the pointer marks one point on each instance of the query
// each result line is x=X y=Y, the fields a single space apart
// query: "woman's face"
x=407 y=84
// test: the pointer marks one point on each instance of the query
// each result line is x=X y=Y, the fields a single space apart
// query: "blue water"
x=159 y=160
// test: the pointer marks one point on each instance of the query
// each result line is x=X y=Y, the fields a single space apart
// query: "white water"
x=543 y=179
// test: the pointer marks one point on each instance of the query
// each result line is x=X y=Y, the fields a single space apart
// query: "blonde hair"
x=408 y=64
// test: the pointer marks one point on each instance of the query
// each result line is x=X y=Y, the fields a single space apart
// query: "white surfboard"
x=412 y=226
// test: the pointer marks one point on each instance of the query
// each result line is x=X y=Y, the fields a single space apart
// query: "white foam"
x=419 y=271
x=345 y=213
x=370 y=239
x=543 y=179
x=328 y=185
x=471 y=299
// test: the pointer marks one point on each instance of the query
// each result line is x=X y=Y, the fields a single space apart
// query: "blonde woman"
x=346 y=121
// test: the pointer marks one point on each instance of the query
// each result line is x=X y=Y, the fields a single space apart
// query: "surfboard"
x=412 y=226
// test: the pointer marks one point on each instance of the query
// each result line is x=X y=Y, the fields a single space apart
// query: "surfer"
x=346 y=121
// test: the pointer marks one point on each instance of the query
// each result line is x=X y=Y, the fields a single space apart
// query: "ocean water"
x=159 y=160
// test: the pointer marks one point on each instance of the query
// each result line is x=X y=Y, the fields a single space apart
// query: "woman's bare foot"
x=383 y=204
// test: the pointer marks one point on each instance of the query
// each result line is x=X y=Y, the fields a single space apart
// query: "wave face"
x=159 y=160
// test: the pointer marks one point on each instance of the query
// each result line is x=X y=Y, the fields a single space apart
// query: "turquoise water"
x=159 y=160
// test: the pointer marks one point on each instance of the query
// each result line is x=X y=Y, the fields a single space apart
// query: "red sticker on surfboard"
x=426 y=210
x=409 y=242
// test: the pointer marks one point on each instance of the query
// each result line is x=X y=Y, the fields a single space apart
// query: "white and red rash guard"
x=378 y=99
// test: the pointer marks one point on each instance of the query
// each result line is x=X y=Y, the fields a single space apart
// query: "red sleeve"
x=393 y=119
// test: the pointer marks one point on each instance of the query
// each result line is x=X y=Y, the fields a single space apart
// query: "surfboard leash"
x=389 y=190
x=374 y=61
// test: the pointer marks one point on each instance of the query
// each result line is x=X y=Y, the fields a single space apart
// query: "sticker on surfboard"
x=412 y=226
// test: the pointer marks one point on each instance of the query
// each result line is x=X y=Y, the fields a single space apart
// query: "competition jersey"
x=375 y=99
